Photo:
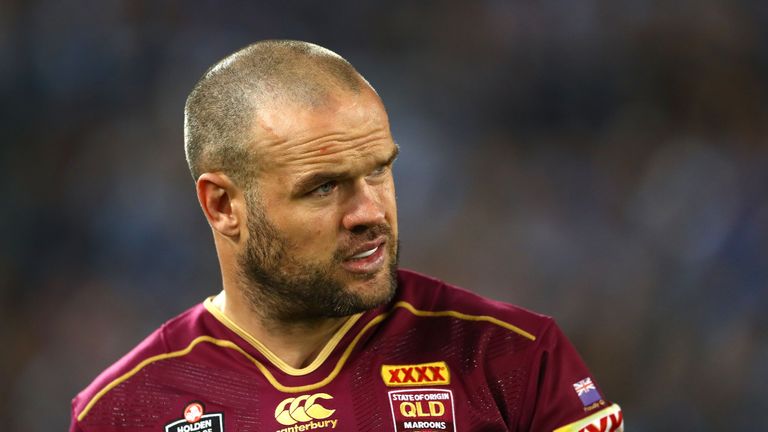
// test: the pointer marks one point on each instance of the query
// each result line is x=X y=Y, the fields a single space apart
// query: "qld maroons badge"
x=422 y=410
x=196 y=420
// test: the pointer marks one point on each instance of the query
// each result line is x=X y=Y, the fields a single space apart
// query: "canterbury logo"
x=302 y=409
x=435 y=373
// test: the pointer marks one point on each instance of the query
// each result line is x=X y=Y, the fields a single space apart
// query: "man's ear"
x=219 y=198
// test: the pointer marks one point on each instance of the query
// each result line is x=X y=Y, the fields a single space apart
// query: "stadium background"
x=604 y=162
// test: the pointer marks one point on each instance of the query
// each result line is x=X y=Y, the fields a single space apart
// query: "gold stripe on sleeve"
x=608 y=419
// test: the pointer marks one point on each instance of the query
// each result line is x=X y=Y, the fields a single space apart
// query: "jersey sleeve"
x=562 y=396
x=74 y=425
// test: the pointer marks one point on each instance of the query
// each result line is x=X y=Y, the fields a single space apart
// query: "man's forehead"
x=285 y=133
x=282 y=119
x=331 y=152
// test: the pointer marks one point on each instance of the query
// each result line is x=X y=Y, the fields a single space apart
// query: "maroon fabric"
x=499 y=379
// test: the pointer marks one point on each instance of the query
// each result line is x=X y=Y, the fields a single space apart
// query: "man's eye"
x=379 y=171
x=324 y=189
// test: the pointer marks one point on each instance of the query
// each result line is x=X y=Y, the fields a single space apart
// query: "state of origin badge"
x=196 y=420
x=422 y=410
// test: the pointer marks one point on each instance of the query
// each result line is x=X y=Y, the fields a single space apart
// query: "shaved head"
x=221 y=111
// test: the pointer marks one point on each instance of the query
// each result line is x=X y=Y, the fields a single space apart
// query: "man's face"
x=322 y=222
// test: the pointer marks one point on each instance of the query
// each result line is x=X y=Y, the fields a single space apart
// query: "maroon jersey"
x=437 y=358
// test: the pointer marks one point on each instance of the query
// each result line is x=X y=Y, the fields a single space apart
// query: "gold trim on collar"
x=272 y=357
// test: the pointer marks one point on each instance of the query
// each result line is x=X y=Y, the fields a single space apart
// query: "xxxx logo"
x=435 y=373
x=304 y=408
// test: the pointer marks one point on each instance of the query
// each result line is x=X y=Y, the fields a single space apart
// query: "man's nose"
x=364 y=208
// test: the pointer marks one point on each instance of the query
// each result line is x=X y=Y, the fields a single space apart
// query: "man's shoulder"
x=170 y=337
x=428 y=295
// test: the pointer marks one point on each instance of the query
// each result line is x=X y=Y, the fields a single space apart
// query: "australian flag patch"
x=587 y=391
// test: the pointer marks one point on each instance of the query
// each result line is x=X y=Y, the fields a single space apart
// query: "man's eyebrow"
x=392 y=158
x=318 y=178
x=314 y=179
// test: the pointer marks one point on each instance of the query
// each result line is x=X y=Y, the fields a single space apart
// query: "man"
x=315 y=328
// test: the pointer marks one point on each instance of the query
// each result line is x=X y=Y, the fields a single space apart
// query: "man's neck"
x=296 y=343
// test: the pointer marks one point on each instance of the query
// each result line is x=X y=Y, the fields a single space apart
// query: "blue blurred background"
x=601 y=161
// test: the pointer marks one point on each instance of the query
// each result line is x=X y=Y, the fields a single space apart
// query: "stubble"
x=281 y=288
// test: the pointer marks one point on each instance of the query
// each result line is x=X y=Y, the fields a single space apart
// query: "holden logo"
x=193 y=412
x=196 y=419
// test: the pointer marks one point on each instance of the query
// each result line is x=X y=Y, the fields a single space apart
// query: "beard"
x=282 y=288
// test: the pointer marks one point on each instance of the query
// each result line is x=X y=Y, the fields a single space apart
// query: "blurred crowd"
x=603 y=162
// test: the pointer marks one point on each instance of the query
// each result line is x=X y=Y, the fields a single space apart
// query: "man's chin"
x=373 y=289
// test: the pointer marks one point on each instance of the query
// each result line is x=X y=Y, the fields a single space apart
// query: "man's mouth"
x=366 y=249
x=365 y=253
x=369 y=257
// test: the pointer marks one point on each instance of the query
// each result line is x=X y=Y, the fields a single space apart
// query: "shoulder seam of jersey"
x=268 y=375
x=147 y=361
x=466 y=317
x=274 y=359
